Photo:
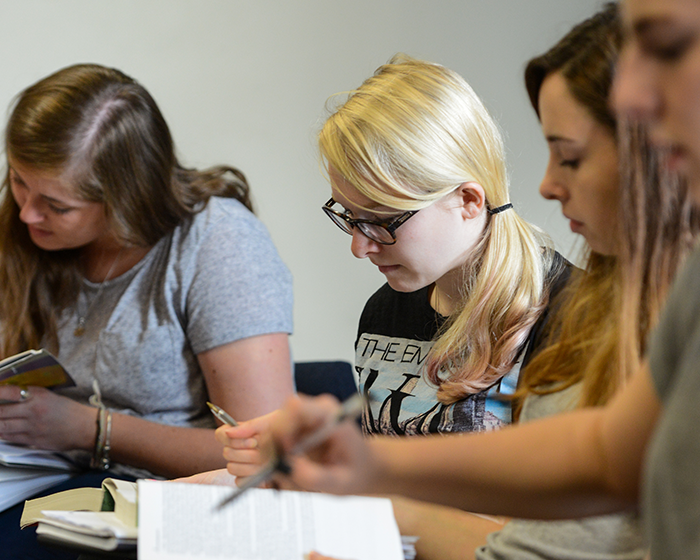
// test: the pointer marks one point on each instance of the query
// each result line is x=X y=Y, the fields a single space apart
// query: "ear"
x=472 y=198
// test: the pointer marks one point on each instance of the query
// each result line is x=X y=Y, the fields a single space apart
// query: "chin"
x=405 y=286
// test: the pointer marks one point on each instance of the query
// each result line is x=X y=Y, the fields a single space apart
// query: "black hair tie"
x=499 y=209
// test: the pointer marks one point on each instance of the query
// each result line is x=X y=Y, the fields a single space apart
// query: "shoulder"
x=224 y=226
x=226 y=214
x=677 y=333
x=556 y=279
x=558 y=274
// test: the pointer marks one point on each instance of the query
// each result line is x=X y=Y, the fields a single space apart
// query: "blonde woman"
x=418 y=180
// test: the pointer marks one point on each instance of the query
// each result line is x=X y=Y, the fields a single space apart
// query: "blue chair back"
x=316 y=378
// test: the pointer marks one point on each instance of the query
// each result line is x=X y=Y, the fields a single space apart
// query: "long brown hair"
x=589 y=341
x=102 y=132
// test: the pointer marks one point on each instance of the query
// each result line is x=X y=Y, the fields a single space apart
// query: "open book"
x=95 y=518
x=24 y=471
x=179 y=521
x=34 y=367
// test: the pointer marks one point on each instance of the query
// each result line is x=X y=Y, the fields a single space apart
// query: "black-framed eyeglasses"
x=381 y=232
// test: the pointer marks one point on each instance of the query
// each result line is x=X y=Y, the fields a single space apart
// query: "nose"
x=551 y=188
x=361 y=245
x=29 y=211
x=634 y=95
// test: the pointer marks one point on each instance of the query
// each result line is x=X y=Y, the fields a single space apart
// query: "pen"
x=222 y=415
x=351 y=408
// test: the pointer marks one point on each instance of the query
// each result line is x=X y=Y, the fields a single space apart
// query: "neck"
x=110 y=260
x=443 y=302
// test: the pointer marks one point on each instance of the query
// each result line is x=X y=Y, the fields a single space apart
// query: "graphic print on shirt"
x=401 y=401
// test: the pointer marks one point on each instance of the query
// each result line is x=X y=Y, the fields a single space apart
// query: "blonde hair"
x=410 y=135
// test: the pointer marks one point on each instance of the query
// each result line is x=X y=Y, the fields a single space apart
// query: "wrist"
x=380 y=463
x=103 y=437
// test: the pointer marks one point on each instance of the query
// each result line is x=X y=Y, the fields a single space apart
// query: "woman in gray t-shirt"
x=154 y=285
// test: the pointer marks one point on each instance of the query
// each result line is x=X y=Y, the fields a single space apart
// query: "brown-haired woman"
x=155 y=285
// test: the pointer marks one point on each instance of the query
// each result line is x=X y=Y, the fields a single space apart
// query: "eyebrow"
x=648 y=24
x=45 y=197
x=56 y=201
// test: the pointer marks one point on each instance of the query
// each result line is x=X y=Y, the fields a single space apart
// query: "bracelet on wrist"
x=100 y=454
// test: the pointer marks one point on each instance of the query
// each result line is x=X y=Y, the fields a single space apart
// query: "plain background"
x=246 y=83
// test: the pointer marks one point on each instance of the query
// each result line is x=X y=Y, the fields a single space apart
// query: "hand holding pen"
x=240 y=441
x=312 y=432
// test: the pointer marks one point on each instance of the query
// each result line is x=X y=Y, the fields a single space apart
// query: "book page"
x=179 y=521
x=15 y=490
x=97 y=523
x=85 y=499
x=15 y=455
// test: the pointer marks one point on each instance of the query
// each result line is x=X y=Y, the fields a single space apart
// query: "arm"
x=247 y=377
x=443 y=533
x=582 y=463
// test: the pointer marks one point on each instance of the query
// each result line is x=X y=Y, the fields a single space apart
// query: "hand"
x=241 y=445
x=313 y=555
x=343 y=464
x=219 y=477
x=46 y=420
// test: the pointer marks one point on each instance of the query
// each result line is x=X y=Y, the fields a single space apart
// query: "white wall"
x=244 y=82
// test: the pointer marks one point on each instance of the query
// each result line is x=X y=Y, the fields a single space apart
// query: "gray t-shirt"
x=671 y=489
x=609 y=537
x=215 y=279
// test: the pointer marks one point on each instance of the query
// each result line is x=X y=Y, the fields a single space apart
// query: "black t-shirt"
x=395 y=334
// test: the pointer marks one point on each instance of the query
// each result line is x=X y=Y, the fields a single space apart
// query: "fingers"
x=219 y=477
x=242 y=463
x=13 y=394
x=313 y=555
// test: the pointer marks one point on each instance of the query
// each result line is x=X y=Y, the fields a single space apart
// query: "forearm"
x=167 y=451
x=541 y=469
x=443 y=533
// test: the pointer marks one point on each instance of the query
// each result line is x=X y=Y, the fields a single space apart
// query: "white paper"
x=16 y=489
x=22 y=456
x=179 y=521
x=97 y=523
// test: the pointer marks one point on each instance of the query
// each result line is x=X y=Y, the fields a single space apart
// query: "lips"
x=574 y=225
x=384 y=269
x=673 y=154
x=38 y=232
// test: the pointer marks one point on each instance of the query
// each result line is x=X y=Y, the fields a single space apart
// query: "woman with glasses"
x=418 y=180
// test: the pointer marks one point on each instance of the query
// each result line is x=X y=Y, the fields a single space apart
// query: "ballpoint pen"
x=222 y=415
x=351 y=408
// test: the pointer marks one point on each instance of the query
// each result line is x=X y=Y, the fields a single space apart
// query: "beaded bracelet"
x=100 y=454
